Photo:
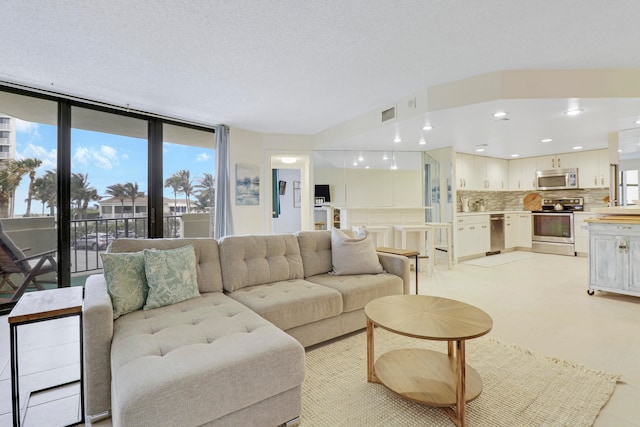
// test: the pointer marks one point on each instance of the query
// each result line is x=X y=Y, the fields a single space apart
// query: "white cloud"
x=104 y=158
x=49 y=157
x=109 y=152
x=203 y=157
x=27 y=127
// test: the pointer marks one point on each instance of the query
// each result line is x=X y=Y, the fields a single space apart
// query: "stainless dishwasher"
x=497 y=233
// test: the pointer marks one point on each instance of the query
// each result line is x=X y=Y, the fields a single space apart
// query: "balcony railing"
x=90 y=237
x=4 y=141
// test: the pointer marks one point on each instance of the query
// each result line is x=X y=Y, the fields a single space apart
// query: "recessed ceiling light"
x=367 y=167
x=577 y=147
x=355 y=163
x=637 y=122
x=546 y=140
x=288 y=160
x=479 y=150
x=515 y=155
x=574 y=112
x=427 y=127
x=619 y=150
x=422 y=142
x=499 y=114
x=397 y=139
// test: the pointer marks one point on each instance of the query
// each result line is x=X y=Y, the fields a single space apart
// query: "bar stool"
x=378 y=233
x=425 y=233
x=439 y=226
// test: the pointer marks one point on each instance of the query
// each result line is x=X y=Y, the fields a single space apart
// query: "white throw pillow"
x=353 y=255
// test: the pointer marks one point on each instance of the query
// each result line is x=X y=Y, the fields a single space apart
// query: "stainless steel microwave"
x=557 y=179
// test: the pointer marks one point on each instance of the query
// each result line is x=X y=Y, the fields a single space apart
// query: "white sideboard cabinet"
x=614 y=258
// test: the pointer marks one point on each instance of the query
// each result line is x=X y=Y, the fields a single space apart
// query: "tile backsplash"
x=513 y=200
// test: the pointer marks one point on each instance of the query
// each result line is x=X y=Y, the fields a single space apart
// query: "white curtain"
x=223 y=220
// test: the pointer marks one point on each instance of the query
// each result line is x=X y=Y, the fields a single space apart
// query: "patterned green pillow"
x=171 y=275
x=126 y=281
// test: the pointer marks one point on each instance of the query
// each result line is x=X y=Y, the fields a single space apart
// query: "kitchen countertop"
x=619 y=210
x=490 y=212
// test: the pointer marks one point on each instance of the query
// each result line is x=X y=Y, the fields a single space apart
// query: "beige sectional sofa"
x=234 y=355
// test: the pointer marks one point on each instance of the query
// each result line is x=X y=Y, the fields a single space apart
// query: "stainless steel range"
x=553 y=226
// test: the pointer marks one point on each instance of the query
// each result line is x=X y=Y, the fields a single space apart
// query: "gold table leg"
x=459 y=415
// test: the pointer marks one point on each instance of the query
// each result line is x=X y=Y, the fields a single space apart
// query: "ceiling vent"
x=389 y=114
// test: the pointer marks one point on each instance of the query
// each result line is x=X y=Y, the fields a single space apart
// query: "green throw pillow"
x=126 y=281
x=171 y=275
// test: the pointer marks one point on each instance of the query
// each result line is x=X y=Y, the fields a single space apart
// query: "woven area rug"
x=520 y=388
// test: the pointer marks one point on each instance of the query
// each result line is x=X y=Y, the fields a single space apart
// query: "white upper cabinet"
x=557 y=161
x=522 y=174
x=478 y=173
x=593 y=170
x=497 y=174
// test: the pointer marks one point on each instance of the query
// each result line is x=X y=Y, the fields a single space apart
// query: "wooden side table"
x=38 y=307
x=403 y=252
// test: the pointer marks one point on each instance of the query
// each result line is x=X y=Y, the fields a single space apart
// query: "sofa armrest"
x=97 y=315
x=398 y=265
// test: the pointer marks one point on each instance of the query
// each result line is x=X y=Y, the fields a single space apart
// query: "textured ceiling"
x=297 y=66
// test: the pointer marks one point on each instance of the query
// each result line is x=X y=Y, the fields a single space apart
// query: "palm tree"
x=206 y=193
x=10 y=178
x=186 y=186
x=29 y=166
x=45 y=189
x=82 y=192
x=131 y=191
x=173 y=182
x=117 y=191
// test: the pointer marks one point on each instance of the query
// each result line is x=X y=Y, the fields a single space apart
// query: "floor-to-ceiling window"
x=109 y=198
x=28 y=192
x=74 y=176
x=188 y=177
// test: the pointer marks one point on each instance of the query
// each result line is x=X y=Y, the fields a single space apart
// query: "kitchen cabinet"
x=472 y=235
x=557 y=161
x=496 y=174
x=524 y=230
x=510 y=230
x=581 y=231
x=522 y=174
x=614 y=250
x=478 y=173
x=465 y=170
x=593 y=169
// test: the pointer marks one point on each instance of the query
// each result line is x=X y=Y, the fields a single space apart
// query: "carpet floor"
x=520 y=388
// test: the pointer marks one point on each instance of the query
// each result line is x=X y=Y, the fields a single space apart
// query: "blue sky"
x=108 y=159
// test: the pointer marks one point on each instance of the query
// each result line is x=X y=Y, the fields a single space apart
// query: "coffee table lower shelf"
x=425 y=376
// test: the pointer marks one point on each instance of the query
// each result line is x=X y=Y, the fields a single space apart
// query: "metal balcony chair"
x=14 y=261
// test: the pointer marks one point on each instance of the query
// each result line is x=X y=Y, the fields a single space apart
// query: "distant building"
x=7 y=139
x=115 y=208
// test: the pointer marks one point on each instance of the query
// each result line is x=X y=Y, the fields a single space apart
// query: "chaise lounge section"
x=234 y=355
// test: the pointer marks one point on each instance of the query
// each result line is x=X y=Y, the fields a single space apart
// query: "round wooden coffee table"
x=420 y=375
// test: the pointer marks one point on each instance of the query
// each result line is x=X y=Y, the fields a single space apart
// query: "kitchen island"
x=614 y=251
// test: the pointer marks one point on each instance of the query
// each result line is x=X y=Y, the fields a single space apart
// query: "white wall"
x=255 y=148
x=289 y=219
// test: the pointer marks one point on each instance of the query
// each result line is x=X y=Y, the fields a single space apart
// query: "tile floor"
x=539 y=303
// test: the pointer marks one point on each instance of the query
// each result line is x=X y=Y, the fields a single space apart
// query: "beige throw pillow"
x=353 y=255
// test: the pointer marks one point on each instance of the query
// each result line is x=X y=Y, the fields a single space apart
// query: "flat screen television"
x=323 y=191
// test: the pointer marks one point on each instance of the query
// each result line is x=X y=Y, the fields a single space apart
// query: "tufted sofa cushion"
x=291 y=303
x=255 y=260
x=208 y=268
x=359 y=289
x=168 y=363
x=315 y=250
